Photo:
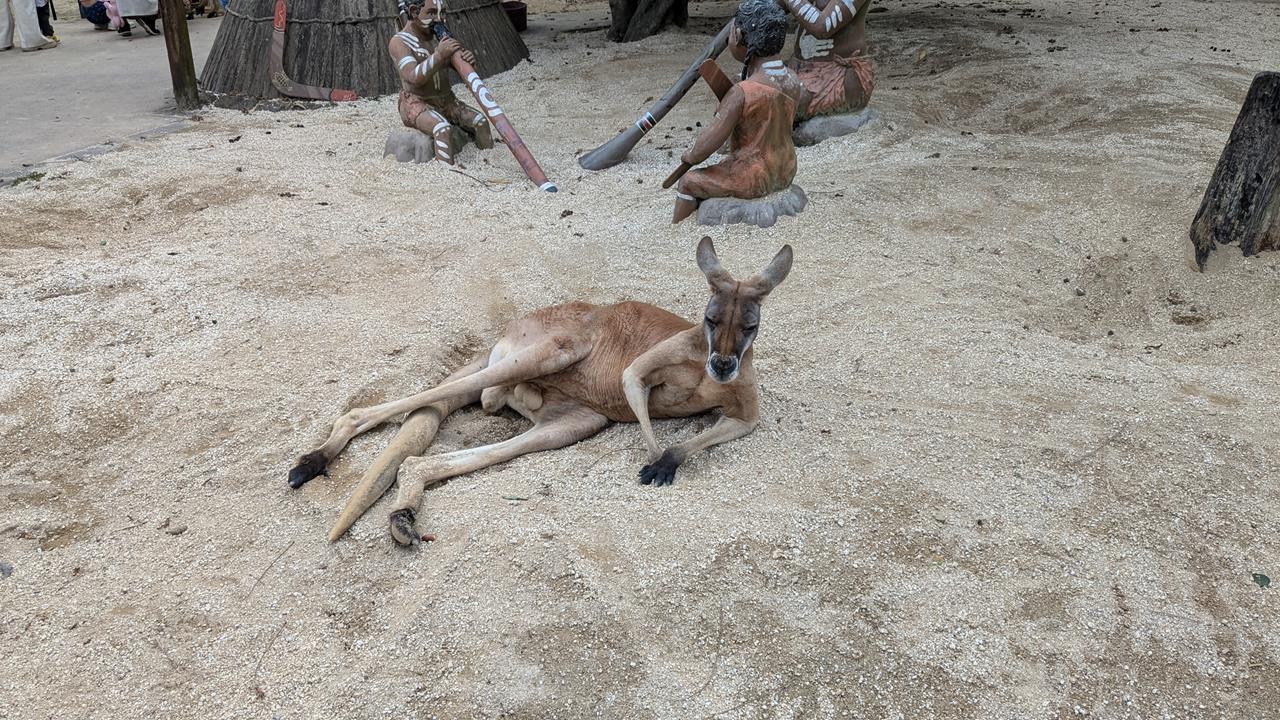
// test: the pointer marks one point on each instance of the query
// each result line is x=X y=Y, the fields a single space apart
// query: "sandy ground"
x=1018 y=458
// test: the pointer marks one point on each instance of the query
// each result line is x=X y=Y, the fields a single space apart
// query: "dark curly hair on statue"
x=763 y=27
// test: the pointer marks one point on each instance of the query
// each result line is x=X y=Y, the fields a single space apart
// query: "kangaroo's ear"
x=775 y=273
x=709 y=264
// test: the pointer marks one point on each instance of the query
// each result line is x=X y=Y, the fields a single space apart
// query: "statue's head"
x=759 y=30
x=424 y=12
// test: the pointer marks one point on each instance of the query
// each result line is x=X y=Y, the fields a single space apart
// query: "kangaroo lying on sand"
x=572 y=369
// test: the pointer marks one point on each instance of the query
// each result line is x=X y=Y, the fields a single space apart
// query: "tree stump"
x=1242 y=202
x=328 y=43
x=632 y=20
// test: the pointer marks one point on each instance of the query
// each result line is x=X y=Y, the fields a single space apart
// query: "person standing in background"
x=42 y=16
x=21 y=15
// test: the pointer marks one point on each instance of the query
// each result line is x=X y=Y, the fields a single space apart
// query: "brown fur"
x=572 y=369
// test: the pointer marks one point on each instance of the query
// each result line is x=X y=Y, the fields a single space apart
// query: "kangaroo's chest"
x=684 y=392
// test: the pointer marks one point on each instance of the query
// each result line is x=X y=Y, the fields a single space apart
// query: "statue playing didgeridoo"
x=427 y=102
x=755 y=115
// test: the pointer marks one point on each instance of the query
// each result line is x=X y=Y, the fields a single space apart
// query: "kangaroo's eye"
x=749 y=330
x=709 y=321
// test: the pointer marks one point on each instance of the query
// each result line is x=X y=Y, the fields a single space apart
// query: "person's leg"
x=28 y=24
x=6 y=26
x=42 y=17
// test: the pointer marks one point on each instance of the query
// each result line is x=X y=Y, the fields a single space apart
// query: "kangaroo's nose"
x=722 y=364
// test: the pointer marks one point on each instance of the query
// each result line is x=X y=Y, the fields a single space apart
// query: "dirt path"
x=1018 y=460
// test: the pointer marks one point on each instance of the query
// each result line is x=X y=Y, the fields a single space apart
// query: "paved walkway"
x=96 y=87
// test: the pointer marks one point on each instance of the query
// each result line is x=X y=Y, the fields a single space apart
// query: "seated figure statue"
x=427 y=102
x=755 y=115
x=830 y=57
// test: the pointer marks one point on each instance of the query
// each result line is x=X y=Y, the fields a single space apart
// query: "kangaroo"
x=572 y=370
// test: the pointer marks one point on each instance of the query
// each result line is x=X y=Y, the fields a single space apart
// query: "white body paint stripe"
x=682 y=196
x=481 y=92
x=849 y=4
x=406 y=60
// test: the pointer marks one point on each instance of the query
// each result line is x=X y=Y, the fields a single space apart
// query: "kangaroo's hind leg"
x=413 y=438
x=559 y=423
x=317 y=461
x=548 y=355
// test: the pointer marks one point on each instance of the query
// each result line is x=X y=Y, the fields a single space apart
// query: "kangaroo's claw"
x=402 y=529
x=309 y=466
x=661 y=471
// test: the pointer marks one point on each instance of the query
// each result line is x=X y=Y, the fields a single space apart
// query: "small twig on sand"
x=1101 y=446
x=715 y=660
x=253 y=681
x=609 y=454
x=268 y=567
x=487 y=183
x=129 y=527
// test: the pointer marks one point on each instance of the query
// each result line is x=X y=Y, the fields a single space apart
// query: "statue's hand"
x=447 y=48
x=466 y=55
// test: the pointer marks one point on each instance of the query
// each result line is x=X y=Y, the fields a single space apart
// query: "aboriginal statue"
x=755 y=116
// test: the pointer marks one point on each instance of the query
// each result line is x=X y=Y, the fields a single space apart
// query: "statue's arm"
x=727 y=116
x=411 y=71
x=823 y=23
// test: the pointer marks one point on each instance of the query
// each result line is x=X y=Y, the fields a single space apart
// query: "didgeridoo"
x=496 y=116
x=615 y=151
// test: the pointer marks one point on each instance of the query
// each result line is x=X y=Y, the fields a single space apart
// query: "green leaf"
x=1263 y=581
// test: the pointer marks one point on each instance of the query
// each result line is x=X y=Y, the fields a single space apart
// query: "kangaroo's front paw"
x=661 y=471
x=309 y=466
x=402 y=529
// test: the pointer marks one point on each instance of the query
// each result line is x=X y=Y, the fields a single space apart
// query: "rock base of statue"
x=761 y=212
x=815 y=130
x=410 y=145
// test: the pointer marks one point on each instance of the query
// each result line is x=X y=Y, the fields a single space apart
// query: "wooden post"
x=1242 y=202
x=177 y=41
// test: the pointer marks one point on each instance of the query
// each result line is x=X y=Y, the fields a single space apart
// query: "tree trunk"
x=1242 y=202
x=177 y=40
x=638 y=19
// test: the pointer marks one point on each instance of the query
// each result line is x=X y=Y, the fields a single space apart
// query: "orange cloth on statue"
x=762 y=158
x=412 y=107
x=824 y=79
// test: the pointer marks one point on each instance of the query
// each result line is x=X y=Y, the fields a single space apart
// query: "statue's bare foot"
x=309 y=466
x=402 y=529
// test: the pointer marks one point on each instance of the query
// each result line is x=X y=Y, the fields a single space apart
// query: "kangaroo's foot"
x=661 y=471
x=309 y=466
x=402 y=529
